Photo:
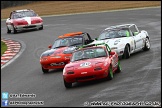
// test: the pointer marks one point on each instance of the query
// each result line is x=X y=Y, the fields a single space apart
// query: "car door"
x=114 y=60
x=138 y=41
x=113 y=57
x=137 y=37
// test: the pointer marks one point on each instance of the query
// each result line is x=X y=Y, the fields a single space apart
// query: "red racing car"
x=23 y=20
x=89 y=63
x=60 y=52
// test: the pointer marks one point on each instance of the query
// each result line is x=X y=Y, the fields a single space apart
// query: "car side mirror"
x=96 y=38
x=135 y=33
x=112 y=53
x=50 y=46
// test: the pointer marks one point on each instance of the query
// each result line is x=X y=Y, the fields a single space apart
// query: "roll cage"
x=90 y=45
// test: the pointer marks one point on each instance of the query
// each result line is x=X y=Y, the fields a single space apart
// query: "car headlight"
x=116 y=42
x=98 y=66
x=64 y=71
x=69 y=70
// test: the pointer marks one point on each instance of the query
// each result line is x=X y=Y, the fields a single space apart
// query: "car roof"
x=120 y=26
x=22 y=10
x=70 y=34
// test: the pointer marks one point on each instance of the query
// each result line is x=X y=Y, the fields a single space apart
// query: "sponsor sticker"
x=57 y=64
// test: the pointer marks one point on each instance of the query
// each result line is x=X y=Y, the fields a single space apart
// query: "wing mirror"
x=135 y=33
x=96 y=38
x=50 y=46
x=111 y=53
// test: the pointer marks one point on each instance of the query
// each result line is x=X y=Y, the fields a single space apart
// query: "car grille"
x=29 y=26
x=84 y=78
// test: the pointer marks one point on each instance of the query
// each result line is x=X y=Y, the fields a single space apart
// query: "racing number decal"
x=85 y=64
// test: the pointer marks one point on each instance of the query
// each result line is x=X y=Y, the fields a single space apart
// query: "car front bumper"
x=85 y=77
x=55 y=63
x=28 y=27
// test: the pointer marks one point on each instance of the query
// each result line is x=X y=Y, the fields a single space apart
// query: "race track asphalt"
x=140 y=79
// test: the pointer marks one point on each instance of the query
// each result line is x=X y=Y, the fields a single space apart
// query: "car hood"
x=86 y=63
x=110 y=42
x=57 y=51
x=30 y=20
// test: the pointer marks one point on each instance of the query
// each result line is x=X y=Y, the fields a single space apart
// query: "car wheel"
x=8 y=31
x=41 y=28
x=45 y=70
x=118 y=68
x=110 y=74
x=147 y=45
x=14 y=30
x=67 y=85
x=126 y=54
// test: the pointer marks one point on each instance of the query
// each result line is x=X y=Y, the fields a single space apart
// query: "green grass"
x=3 y=47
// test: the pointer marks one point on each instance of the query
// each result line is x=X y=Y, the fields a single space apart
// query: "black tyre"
x=126 y=54
x=67 y=85
x=118 y=68
x=14 y=30
x=147 y=45
x=8 y=31
x=41 y=28
x=110 y=74
x=45 y=70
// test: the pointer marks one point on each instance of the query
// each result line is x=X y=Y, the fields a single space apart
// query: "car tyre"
x=118 y=68
x=126 y=54
x=110 y=74
x=41 y=28
x=45 y=70
x=147 y=45
x=67 y=85
x=14 y=30
x=8 y=31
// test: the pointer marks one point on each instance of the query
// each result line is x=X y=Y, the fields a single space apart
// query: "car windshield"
x=88 y=54
x=113 y=33
x=69 y=41
x=22 y=14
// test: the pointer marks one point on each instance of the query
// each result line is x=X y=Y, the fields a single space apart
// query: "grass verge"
x=66 y=7
x=3 y=47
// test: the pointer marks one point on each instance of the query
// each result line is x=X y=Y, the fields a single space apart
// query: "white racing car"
x=124 y=39
x=23 y=20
